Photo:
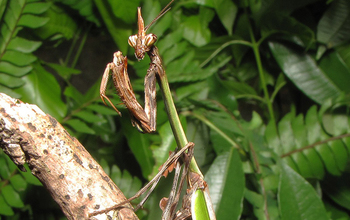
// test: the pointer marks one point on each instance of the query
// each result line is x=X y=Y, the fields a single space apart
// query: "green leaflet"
x=333 y=28
x=304 y=72
x=306 y=147
x=16 y=52
x=226 y=181
x=297 y=199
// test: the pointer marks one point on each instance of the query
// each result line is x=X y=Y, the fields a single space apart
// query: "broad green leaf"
x=80 y=126
x=334 y=27
x=32 y=21
x=14 y=70
x=121 y=34
x=344 y=55
x=227 y=11
x=297 y=198
x=125 y=10
x=225 y=179
x=336 y=70
x=12 y=197
x=140 y=147
x=288 y=26
x=5 y=209
x=304 y=72
x=195 y=29
x=42 y=89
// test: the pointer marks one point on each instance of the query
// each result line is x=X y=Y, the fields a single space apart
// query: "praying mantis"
x=144 y=119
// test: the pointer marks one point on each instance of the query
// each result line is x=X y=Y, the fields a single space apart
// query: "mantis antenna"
x=161 y=13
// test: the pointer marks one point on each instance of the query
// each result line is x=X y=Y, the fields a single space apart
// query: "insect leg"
x=103 y=86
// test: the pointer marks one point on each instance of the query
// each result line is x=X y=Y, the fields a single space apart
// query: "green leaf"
x=5 y=209
x=23 y=45
x=227 y=11
x=42 y=89
x=10 y=81
x=225 y=179
x=4 y=169
x=36 y=7
x=290 y=28
x=9 y=92
x=333 y=61
x=85 y=8
x=195 y=29
x=121 y=34
x=18 y=58
x=140 y=147
x=88 y=116
x=102 y=109
x=12 y=197
x=303 y=71
x=334 y=26
x=80 y=126
x=297 y=198
x=63 y=71
x=125 y=10
x=32 y=21
x=18 y=183
x=60 y=23
x=315 y=134
x=14 y=70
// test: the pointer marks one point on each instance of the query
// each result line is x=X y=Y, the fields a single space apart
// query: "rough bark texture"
x=74 y=179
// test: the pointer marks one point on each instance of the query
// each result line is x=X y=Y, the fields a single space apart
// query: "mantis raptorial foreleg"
x=143 y=119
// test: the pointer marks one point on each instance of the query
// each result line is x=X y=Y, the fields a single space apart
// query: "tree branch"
x=74 y=179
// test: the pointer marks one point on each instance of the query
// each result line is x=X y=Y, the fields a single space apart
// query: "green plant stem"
x=174 y=119
x=255 y=47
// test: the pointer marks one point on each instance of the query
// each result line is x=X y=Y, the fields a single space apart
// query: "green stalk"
x=255 y=47
x=175 y=123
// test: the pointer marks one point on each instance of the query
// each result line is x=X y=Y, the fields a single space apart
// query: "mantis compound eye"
x=150 y=39
x=132 y=41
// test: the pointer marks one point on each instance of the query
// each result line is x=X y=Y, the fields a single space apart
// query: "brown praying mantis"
x=144 y=119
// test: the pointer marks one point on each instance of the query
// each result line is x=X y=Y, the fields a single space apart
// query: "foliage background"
x=262 y=87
